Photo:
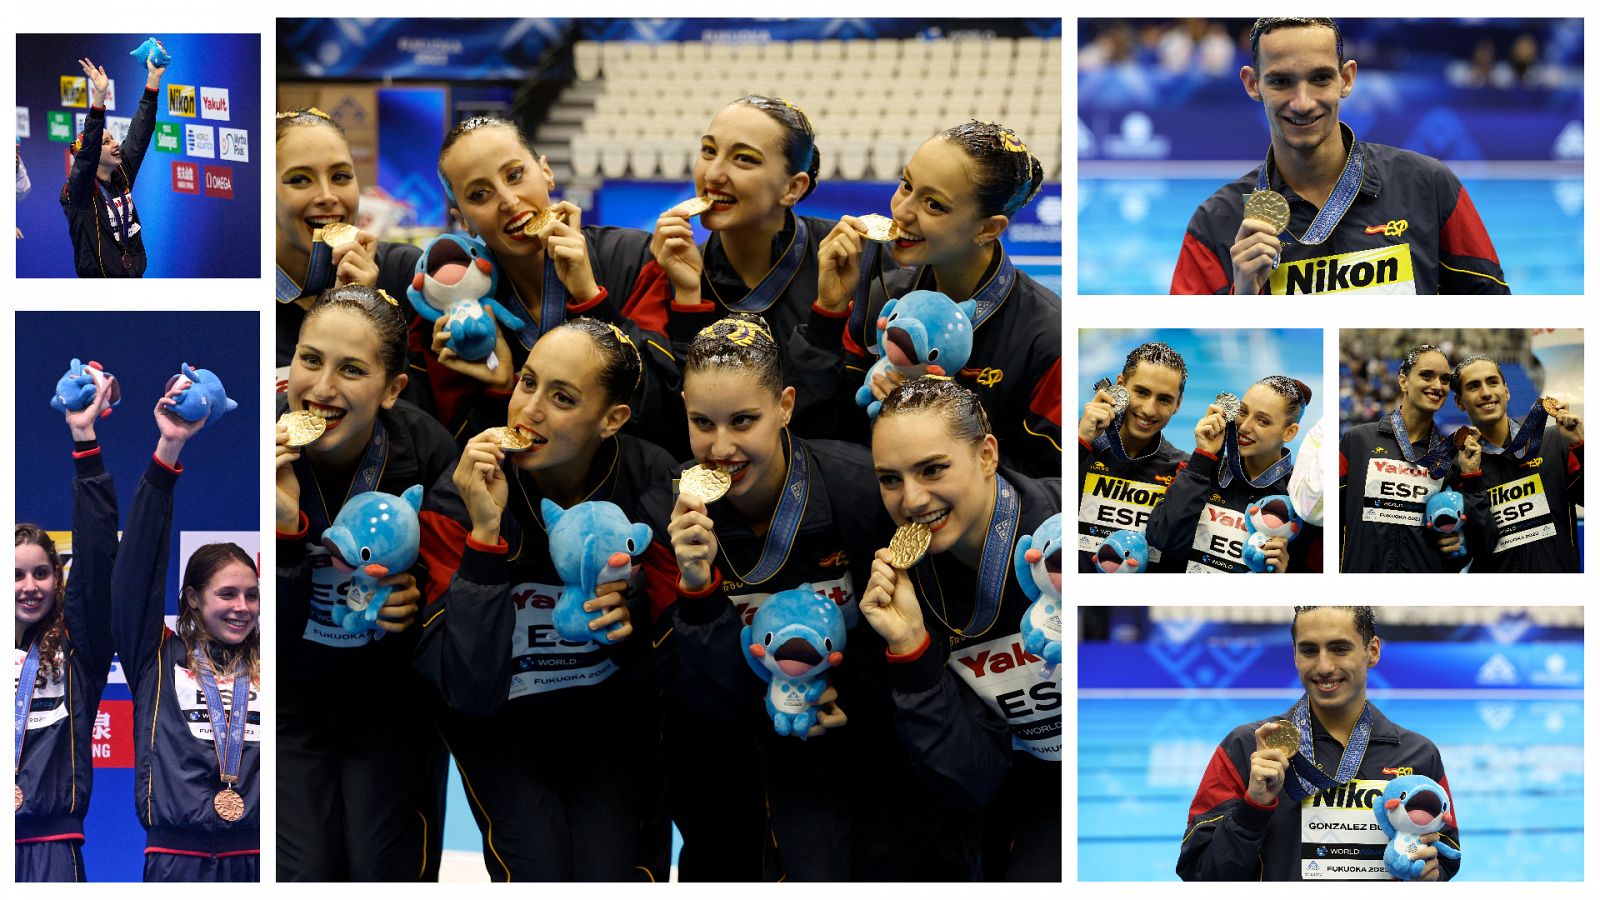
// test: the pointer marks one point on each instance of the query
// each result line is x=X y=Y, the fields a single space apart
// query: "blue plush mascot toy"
x=201 y=395
x=374 y=536
x=1445 y=511
x=1411 y=806
x=154 y=52
x=1269 y=517
x=75 y=390
x=591 y=544
x=456 y=276
x=922 y=333
x=795 y=637
x=1037 y=562
x=1123 y=553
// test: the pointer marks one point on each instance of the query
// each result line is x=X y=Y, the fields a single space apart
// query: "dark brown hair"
x=741 y=341
x=799 y=142
x=378 y=308
x=226 y=661
x=621 y=366
x=962 y=411
x=1005 y=175
x=467 y=126
x=55 y=626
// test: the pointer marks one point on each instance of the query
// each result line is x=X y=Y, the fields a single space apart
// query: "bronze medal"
x=706 y=483
x=692 y=207
x=1119 y=399
x=1551 y=405
x=879 y=228
x=909 y=544
x=304 y=426
x=338 y=234
x=511 y=439
x=1462 y=434
x=1269 y=207
x=1228 y=405
x=1285 y=737
x=228 y=804
x=19 y=798
x=542 y=223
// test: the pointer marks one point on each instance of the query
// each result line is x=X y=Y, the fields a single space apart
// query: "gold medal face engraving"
x=542 y=223
x=228 y=804
x=1228 y=405
x=304 y=426
x=338 y=234
x=1285 y=737
x=909 y=544
x=510 y=439
x=706 y=483
x=879 y=228
x=1551 y=405
x=1269 y=207
x=692 y=207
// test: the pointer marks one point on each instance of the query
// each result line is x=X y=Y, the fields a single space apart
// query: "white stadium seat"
x=586 y=60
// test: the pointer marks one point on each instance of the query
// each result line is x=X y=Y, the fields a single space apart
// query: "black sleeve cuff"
x=823 y=330
x=161 y=476
x=88 y=464
x=483 y=567
x=1204 y=464
x=920 y=674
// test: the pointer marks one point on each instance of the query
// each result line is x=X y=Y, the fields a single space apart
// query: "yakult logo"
x=214 y=103
x=219 y=182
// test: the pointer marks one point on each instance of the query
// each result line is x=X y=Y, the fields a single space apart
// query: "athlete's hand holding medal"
x=565 y=245
x=890 y=604
x=1099 y=412
x=1571 y=425
x=482 y=483
x=354 y=254
x=1469 y=452
x=694 y=540
x=1269 y=764
x=839 y=263
x=1211 y=429
x=500 y=378
x=1256 y=246
x=674 y=249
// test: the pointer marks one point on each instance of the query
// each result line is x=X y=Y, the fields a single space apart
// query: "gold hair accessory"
x=385 y=295
x=622 y=336
x=1010 y=141
x=742 y=333
x=939 y=377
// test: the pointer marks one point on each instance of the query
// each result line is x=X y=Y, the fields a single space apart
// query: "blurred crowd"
x=1370 y=359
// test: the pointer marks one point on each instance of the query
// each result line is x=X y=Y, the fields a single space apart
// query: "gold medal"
x=1551 y=405
x=338 y=234
x=692 y=207
x=1285 y=737
x=908 y=545
x=510 y=439
x=304 y=426
x=879 y=228
x=543 y=222
x=228 y=804
x=706 y=483
x=1269 y=207
x=19 y=798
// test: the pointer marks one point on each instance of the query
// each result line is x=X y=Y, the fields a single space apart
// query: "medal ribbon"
x=994 y=563
x=871 y=265
x=1528 y=439
x=552 y=305
x=26 y=682
x=1339 y=202
x=1235 y=467
x=1436 y=460
x=119 y=223
x=366 y=479
x=229 y=741
x=989 y=296
x=1308 y=777
x=777 y=279
x=785 y=519
x=319 y=275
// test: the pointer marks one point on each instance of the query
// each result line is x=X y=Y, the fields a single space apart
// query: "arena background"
x=1498 y=689
x=186 y=235
x=1536 y=362
x=1163 y=122
x=216 y=498
x=618 y=106
x=1218 y=360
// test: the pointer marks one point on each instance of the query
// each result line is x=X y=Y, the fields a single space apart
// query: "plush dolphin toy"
x=1037 y=563
x=1269 y=517
x=201 y=395
x=590 y=544
x=154 y=52
x=75 y=390
x=374 y=536
x=922 y=333
x=1445 y=511
x=1123 y=552
x=1413 y=805
x=795 y=637
x=457 y=277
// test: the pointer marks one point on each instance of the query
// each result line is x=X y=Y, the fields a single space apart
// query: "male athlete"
x=1259 y=816
x=1362 y=217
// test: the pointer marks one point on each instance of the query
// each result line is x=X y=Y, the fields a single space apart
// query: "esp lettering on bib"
x=328 y=584
x=192 y=705
x=1396 y=492
x=50 y=701
x=1381 y=270
x=1219 y=541
x=1006 y=677
x=1111 y=504
x=1339 y=835
x=541 y=660
x=1521 y=511
x=840 y=590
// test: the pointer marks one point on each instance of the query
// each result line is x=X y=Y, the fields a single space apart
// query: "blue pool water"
x=1130 y=230
x=1515 y=769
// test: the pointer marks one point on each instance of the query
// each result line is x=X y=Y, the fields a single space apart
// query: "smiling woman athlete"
x=98 y=195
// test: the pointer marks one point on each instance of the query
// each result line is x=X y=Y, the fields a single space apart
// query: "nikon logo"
x=1125 y=491
x=180 y=100
x=1384 y=270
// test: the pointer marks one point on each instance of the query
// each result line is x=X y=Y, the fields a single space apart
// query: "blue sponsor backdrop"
x=199 y=235
x=216 y=493
x=412 y=122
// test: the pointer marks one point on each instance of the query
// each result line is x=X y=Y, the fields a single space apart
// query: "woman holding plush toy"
x=982 y=726
x=553 y=739
x=1241 y=463
x=956 y=197
x=795 y=512
x=63 y=656
x=196 y=691
x=364 y=779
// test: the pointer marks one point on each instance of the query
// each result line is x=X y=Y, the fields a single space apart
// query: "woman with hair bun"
x=63 y=655
x=958 y=193
x=196 y=691
x=982 y=727
x=360 y=764
x=1233 y=465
